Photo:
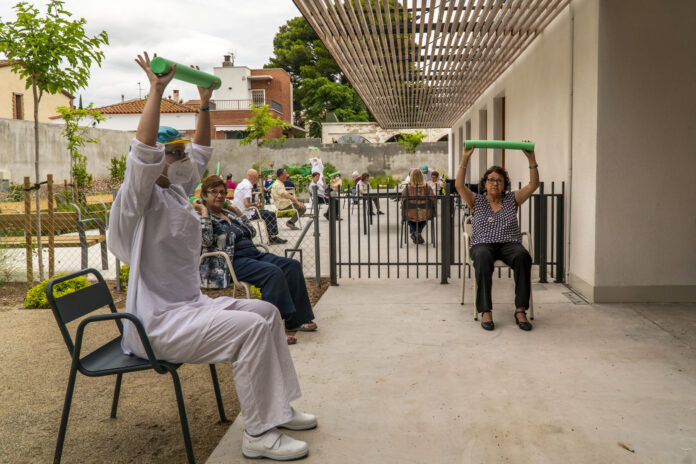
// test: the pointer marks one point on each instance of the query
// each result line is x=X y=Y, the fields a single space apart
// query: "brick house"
x=242 y=86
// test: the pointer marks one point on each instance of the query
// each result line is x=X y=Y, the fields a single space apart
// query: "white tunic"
x=158 y=234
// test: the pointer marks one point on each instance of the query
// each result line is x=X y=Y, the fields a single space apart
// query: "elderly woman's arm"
x=460 y=181
x=525 y=192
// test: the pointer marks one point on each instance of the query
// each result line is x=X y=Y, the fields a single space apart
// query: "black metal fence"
x=369 y=234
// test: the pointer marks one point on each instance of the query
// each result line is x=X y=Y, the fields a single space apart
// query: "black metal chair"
x=417 y=204
x=109 y=359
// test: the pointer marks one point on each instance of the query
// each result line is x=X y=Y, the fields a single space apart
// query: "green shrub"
x=15 y=192
x=36 y=296
x=124 y=273
x=117 y=171
x=389 y=181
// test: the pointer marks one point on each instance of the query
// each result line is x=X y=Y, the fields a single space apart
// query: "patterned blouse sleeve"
x=207 y=232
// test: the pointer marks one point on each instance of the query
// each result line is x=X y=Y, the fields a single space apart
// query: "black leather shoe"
x=523 y=325
x=277 y=240
x=488 y=325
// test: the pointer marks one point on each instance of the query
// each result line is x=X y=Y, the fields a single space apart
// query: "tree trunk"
x=36 y=169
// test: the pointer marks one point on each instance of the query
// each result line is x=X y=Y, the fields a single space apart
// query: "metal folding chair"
x=468 y=262
x=109 y=359
x=246 y=286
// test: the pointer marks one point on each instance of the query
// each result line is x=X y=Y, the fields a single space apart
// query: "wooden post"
x=28 y=230
x=51 y=227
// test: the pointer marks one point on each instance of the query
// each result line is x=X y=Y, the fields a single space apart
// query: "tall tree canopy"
x=319 y=85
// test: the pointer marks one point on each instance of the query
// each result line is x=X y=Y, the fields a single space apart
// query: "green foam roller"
x=184 y=73
x=503 y=144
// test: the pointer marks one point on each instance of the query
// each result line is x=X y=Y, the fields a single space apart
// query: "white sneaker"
x=300 y=421
x=273 y=445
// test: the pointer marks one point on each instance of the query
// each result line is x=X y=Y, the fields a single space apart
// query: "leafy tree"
x=410 y=141
x=258 y=127
x=298 y=50
x=52 y=53
x=322 y=96
x=77 y=138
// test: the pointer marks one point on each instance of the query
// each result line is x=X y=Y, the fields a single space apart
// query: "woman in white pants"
x=154 y=230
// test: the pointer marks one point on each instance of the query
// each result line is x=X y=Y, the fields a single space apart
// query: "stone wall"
x=17 y=153
x=377 y=159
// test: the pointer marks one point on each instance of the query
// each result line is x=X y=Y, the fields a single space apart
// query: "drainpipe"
x=569 y=182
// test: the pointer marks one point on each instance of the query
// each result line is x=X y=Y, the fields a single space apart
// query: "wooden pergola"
x=423 y=63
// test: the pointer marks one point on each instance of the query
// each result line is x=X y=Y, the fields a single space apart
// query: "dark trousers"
x=512 y=254
x=281 y=281
x=270 y=219
x=416 y=226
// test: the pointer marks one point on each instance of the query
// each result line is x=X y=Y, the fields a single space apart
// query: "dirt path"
x=33 y=376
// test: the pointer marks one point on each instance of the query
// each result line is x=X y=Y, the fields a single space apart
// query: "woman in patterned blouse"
x=281 y=280
x=496 y=235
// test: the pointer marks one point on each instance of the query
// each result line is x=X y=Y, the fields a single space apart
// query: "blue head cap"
x=424 y=168
x=166 y=134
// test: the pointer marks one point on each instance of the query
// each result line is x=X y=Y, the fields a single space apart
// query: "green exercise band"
x=184 y=73
x=504 y=144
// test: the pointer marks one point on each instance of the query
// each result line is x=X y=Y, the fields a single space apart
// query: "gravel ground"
x=33 y=376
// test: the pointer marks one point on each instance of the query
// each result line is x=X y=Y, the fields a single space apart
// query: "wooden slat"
x=425 y=66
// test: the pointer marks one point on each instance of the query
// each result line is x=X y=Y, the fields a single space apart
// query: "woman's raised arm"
x=525 y=192
x=460 y=180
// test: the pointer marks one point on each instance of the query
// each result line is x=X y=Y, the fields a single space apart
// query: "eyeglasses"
x=215 y=193
x=175 y=151
x=495 y=181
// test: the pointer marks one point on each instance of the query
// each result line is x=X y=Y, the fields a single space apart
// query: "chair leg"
x=218 y=396
x=117 y=392
x=66 y=413
x=182 y=415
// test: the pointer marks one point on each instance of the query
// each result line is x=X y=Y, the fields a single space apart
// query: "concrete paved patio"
x=399 y=372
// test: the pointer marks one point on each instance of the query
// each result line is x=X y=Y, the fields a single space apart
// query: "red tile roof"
x=137 y=106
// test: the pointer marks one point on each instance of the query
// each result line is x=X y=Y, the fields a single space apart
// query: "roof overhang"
x=424 y=63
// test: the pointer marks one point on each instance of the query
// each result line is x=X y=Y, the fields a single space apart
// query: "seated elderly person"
x=281 y=280
x=284 y=200
x=417 y=211
x=496 y=235
x=243 y=200
x=435 y=183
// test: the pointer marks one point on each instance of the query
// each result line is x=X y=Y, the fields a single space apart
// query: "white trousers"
x=250 y=334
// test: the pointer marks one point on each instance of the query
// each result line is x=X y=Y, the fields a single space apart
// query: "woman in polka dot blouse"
x=496 y=235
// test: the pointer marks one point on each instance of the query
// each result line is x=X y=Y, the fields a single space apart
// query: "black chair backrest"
x=74 y=305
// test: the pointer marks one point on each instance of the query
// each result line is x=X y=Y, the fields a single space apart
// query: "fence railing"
x=228 y=105
x=365 y=244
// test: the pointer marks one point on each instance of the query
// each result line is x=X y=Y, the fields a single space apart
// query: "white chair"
x=235 y=282
x=260 y=225
x=467 y=262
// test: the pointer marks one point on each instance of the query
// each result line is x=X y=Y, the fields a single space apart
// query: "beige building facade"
x=17 y=102
x=607 y=93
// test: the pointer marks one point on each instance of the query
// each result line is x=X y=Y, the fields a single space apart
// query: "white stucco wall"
x=129 y=122
x=235 y=83
x=583 y=186
x=646 y=218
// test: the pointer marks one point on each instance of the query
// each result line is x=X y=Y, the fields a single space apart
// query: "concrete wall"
x=332 y=131
x=646 y=218
x=17 y=153
x=377 y=159
x=17 y=150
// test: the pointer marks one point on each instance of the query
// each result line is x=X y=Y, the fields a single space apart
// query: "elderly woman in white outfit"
x=154 y=230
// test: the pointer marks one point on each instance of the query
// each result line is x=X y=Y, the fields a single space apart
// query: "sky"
x=189 y=32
